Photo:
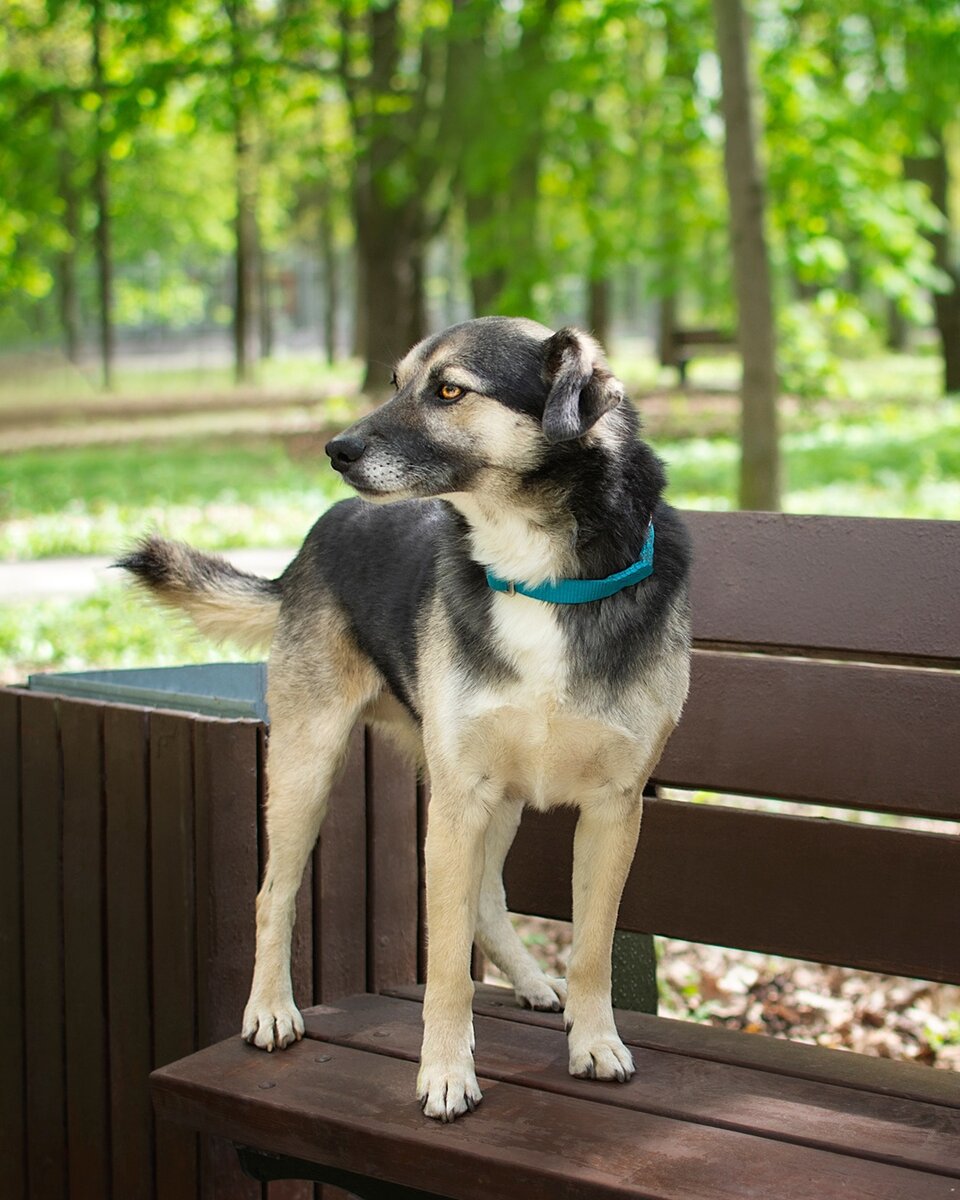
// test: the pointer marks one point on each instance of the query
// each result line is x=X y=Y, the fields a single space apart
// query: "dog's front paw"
x=542 y=992
x=447 y=1090
x=600 y=1057
x=271 y=1024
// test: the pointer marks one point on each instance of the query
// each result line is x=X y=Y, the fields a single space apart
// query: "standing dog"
x=449 y=605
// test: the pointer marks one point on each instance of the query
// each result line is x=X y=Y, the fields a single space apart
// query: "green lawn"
x=899 y=459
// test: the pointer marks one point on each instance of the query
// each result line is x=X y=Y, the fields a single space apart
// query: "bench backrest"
x=826 y=673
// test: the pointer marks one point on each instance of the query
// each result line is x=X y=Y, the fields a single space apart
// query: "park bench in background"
x=826 y=672
x=678 y=346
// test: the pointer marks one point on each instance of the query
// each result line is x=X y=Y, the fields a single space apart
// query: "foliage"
x=550 y=147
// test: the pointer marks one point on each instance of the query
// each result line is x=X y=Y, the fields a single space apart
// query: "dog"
x=489 y=600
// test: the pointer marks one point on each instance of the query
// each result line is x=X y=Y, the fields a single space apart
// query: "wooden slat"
x=357 y=1112
x=340 y=883
x=42 y=816
x=173 y=914
x=128 y=939
x=839 y=1118
x=909 y=1080
x=874 y=737
x=226 y=790
x=12 y=1081
x=878 y=899
x=85 y=952
x=853 y=583
x=393 y=877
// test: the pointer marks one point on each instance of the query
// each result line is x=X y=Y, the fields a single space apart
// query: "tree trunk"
x=244 y=252
x=264 y=299
x=68 y=303
x=598 y=310
x=897 y=328
x=245 y=231
x=389 y=264
x=331 y=278
x=102 y=242
x=760 y=451
x=934 y=171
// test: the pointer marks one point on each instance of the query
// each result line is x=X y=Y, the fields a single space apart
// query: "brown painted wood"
x=85 y=952
x=912 y=1081
x=125 y=734
x=864 y=584
x=42 y=817
x=831 y=891
x=226 y=792
x=173 y=912
x=827 y=1116
x=393 y=877
x=356 y=1111
x=12 y=1079
x=340 y=883
x=873 y=737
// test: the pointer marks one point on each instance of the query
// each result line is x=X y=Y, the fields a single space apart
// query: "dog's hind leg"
x=496 y=935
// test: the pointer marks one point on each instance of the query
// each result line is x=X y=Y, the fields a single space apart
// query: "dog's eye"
x=450 y=391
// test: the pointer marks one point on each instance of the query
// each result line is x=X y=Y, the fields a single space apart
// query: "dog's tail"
x=224 y=604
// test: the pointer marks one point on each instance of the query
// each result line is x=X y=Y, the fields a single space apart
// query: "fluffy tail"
x=225 y=604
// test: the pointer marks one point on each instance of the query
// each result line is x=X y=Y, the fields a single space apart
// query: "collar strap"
x=581 y=591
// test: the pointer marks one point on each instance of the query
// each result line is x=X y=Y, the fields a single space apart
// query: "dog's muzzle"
x=345 y=450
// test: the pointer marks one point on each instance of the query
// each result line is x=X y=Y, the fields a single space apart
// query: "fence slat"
x=84 y=951
x=226 y=764
x=12 y=1081
x=125 y=733
x=42 y=815
x=393 y=877
x=340 y=884
x=173 y=917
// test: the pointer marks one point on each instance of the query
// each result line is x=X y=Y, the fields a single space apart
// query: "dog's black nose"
x=344 y=450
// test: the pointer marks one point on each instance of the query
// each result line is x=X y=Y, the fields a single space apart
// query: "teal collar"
x=580 y=591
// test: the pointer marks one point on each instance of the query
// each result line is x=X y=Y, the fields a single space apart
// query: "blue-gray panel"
x=214 y=689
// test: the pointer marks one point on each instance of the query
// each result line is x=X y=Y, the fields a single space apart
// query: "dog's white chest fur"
x=528 y=634
x=530 y=737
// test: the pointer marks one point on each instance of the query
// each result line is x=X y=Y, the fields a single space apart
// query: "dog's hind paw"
x=447 y=1092
x=543 y=993
x=272 y=1025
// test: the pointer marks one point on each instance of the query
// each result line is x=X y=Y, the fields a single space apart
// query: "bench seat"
x=710 y=1112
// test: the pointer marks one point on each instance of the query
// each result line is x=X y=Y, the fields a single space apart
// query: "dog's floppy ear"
x=582 y=388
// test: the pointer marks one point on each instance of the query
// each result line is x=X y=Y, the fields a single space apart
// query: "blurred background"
x=221 y=221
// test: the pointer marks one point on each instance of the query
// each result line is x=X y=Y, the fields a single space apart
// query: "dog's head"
x=492 y=398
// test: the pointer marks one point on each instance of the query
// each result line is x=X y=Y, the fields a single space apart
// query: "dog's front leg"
x=603 y=850
x=447 y=1082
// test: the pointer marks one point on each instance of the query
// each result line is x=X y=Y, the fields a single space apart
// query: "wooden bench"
x=678 y=346
x=826 y=672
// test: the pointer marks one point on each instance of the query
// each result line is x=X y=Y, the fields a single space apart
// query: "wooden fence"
x=130 y=848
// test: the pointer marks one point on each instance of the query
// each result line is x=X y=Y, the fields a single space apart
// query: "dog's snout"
x=344 y=450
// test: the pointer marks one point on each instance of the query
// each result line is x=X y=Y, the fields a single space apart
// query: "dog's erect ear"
x=582 y=387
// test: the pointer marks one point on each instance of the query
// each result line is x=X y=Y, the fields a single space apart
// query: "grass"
x=899 y=457
x=36 y=380
x=220 y=495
